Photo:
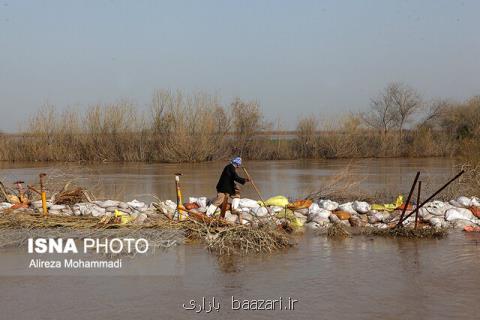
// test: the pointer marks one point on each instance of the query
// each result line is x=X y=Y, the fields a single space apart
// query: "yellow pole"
x=180 y=208
x=44 y=195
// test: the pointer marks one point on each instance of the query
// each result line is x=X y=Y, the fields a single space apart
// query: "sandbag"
x=347 y=207
x=312 y=225
x=475 y=202
x=259 y=212
x=343 y=215
x=300 y=204
x=328 y=205
x=461 y=223
x=248 y=203
x=279 y=201
x=191 y=206
x=202 y=202
x=318 y=218
x=475 y=211
x=319 y=215
x=464 y=201
x=107 y=203
x=136 y=204
x=471 y=229
x=5 y=205
x=361 y=207
x=459 y=213
x=437 y=208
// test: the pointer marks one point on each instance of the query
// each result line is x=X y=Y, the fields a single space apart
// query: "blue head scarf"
x=237 y=161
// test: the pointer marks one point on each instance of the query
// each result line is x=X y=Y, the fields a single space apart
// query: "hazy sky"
x=293 y=57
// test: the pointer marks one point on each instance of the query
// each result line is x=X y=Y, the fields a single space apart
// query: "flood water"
x=355 y=278
x=289 y=178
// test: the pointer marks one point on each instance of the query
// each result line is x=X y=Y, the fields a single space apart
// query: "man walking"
x=226 y=187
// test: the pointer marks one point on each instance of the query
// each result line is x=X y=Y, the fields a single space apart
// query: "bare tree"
x=381 y=115
x=406 y=102
x=393 y=108
x=247 y=121
x=436 y=110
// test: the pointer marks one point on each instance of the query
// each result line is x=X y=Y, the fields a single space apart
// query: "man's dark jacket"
x=229 y=176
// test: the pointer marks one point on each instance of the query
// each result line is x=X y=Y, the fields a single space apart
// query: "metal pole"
x=408 y=199
x=418 y=202
x=256 y=189
x=433 y=195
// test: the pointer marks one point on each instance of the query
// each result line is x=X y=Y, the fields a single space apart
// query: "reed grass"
x=197 y=127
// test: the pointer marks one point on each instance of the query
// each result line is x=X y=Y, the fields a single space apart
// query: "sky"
x=295 y=58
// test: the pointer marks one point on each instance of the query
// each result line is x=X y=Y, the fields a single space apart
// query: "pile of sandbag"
x=456 y=213
x=137 y=210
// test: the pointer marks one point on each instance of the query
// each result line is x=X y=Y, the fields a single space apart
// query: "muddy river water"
x=354 y=278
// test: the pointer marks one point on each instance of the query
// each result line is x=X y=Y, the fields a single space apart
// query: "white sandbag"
x=123 y=205
x=314 y=207
x=320 y=213
x=98 y=212
x=171 y=204
x=192 y=199
x=347 y=207
x=6 y=205
x=137 y=204
x=437 y=208
x=55 y=212
x=260 y=211
x=328 y=205
x=424 y=213
x=319 y=216
x=38 y=204
x=84 y=208
x=312 y=226
x=475 y=202
x=107 y=203
x=461 y=223
x=361 y=207
x=202 y=202
x=248 y=203
x=464 y=201
x=459 y=213
x=167 y=209
x=375 y=216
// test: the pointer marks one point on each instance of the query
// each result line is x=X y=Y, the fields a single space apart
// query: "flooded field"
x=355 y=278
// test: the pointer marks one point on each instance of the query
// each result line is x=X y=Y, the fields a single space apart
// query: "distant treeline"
x=193 y=128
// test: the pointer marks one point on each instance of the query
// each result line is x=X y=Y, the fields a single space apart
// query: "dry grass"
x=337 y=231
x=218 y=237
x=192 y=128
x=406 y=232
x=340 y=231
